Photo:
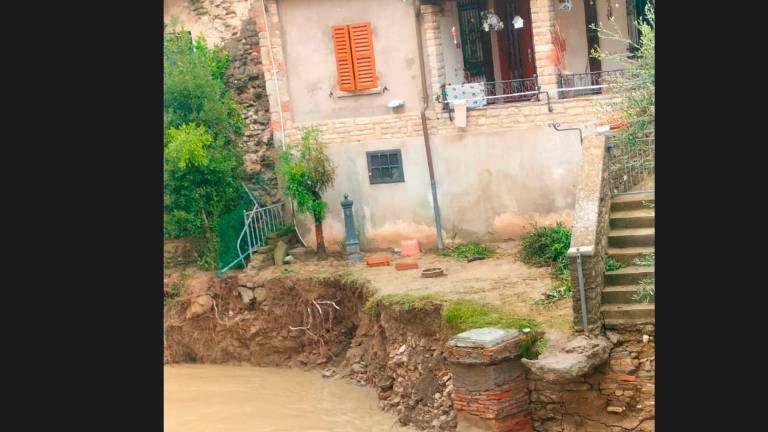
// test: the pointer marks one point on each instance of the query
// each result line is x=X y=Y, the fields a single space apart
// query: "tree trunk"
x=319 y=238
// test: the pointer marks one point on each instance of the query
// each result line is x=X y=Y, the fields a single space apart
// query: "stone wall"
x=577 y=112
x=618 y=397
x=590 y=232
x=233 y=25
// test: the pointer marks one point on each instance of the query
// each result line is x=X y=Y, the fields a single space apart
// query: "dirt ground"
x=500 y=279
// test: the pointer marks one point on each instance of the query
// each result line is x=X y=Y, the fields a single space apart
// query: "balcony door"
x=516 y=53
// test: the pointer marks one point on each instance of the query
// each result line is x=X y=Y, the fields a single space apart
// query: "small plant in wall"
x=611 y=264
x=646 y=291
x=307 y=173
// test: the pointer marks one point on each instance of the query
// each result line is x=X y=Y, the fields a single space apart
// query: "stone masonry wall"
x=579 y=112
x=233 y=24
x=618 y=397
x=593 y=267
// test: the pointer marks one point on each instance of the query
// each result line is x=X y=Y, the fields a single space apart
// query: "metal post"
x=582 y=295
x=351 y=243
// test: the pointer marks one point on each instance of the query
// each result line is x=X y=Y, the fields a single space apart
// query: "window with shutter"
x=362 y=55
x=345 y=77
x=355 y=61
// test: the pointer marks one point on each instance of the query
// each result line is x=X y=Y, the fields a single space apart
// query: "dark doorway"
x=516 y=53
x=475 y=42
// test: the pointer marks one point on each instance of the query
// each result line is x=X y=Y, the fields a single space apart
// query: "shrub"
x=203 y=165
x=637 y=85
x=548 y=246
x=307 y=173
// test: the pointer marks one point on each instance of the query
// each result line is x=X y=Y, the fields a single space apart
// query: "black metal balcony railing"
x=583 y=84
x=497 y=92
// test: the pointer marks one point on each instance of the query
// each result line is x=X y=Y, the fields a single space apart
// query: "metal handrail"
x=259 y=222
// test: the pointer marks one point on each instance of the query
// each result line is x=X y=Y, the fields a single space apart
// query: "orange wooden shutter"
x=345 y=76
x=362 y=56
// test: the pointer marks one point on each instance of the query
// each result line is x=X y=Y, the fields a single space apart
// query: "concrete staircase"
x=631 y=236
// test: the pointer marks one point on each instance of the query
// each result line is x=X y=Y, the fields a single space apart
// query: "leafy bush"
x=637 y=85
x=548 y=246
x=203 y=165
x=467 y=250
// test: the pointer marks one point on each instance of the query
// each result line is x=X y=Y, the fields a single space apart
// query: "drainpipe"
x=427 y=148
x=279 y=106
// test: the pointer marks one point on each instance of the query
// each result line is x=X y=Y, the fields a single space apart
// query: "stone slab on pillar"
x=490 y=388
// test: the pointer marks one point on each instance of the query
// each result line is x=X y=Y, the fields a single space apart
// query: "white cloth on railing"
x=472 y=93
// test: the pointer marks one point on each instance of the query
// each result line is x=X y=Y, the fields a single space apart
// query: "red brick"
x=377 y=261
x=406 y=265
x=627 y=378
x=284 y=106
x=275 y=125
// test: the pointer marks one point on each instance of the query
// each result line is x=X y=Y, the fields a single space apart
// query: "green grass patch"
x=467 y=250
x=462 y=314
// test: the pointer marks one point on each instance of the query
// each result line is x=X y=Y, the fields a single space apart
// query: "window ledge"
x=372 y=91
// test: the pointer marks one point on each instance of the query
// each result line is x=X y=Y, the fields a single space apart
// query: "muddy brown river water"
x=216 y=398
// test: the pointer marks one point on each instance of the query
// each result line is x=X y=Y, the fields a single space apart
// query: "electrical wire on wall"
x=279 y=109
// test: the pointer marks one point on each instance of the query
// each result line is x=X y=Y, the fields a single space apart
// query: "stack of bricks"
x=490 y=387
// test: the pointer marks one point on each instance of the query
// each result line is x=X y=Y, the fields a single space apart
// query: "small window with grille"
x=385 y=166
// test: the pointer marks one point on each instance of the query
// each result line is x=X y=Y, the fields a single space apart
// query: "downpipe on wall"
x=425 y=131
x=279 y=108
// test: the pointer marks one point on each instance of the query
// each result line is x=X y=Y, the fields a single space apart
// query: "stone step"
x=620 y=294
x=628 y=255
x=611 y=323
x=633 y=201
x=641 y=218
x=629 y=311
x=631 y=237
x=628 y=275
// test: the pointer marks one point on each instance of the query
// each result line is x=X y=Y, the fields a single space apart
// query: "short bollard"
x=351 y=244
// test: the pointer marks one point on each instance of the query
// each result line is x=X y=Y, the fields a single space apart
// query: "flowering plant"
x=491 y=21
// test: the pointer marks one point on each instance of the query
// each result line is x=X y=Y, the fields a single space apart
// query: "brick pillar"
x=433 y=49
x=543 y=22
x=490 y=387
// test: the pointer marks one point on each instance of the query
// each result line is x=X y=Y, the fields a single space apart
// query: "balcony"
x=584 y=84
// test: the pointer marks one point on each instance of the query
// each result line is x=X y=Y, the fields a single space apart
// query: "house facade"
x=369 y=75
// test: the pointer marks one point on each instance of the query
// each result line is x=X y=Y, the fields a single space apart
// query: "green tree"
x=203 y=164
x=307 y=172
x=637 y=106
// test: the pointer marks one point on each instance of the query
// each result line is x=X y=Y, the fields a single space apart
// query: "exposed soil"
x=398 y=352
x=210 y=323
x=500 y=279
